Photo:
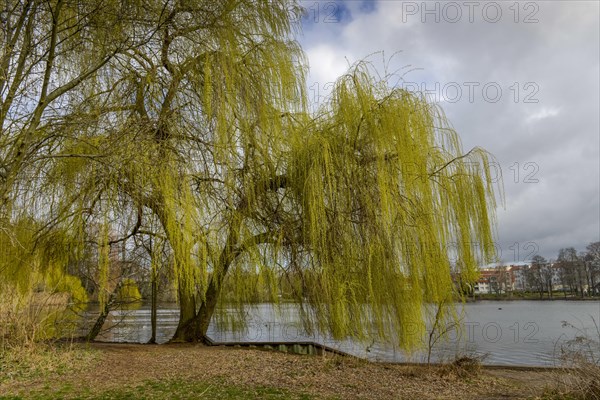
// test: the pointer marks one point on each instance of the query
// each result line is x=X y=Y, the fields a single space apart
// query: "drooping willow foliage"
x=188 y=123
x=385 y=193
x=368 y=204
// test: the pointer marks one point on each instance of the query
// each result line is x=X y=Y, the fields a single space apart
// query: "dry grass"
x=579 y=383
x=115 y=367
x=25 y=318
x=464 y=367
x=580 y=356
x=27 y=363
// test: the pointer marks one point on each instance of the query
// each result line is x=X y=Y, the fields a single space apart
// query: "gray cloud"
x=554 y=61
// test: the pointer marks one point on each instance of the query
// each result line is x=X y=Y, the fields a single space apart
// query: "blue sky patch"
x=327 y=12
x=368 y=6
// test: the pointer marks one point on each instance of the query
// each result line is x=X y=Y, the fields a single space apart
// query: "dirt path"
x=347 y=378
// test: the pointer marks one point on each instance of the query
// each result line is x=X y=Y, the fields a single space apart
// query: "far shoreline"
x=512 y=298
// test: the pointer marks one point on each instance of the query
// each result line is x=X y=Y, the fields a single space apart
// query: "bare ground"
x=119 y=365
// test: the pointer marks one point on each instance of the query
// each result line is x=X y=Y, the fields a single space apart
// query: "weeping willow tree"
x=357 y=208
x=385 y=192
x=193 y=115
x=49 y=51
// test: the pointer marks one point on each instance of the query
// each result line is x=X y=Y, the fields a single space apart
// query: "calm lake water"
x=527 y=333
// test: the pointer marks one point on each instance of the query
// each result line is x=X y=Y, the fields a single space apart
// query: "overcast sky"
x=518 y=79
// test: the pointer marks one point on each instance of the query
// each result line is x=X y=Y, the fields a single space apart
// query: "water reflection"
x=506 y=333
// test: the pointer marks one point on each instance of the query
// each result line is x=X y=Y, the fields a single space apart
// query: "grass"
x=50 y=362
x=20 y=363
x=464 y=367
x=172 y=389
x=105 y=371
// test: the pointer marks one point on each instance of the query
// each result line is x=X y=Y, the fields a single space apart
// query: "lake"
x=526 y=333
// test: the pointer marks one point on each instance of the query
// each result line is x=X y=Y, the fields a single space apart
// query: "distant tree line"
x=572 y=274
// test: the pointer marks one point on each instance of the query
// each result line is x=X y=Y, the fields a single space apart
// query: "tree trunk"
x=154 y=305
x=207 y=309
x=193 y=324
x=95 y=331
x=195 y=327
x=187 y=301
x=186 y=329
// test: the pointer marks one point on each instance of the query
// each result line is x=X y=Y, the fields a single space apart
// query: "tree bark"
x=95 y=331
x=193 y=325
x=97 y=328
x=186 y=329
x=154 y=305
x=208 y=309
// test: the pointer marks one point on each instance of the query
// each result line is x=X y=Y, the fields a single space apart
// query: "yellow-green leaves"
x=386 y=195
x=197 y=133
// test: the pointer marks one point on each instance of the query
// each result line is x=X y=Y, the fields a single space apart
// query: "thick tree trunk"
x=187 y=327
x=207 y=309
x=193 y=325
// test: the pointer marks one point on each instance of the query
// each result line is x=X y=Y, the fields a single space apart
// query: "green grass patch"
x=169 y=389
x=24 y=363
